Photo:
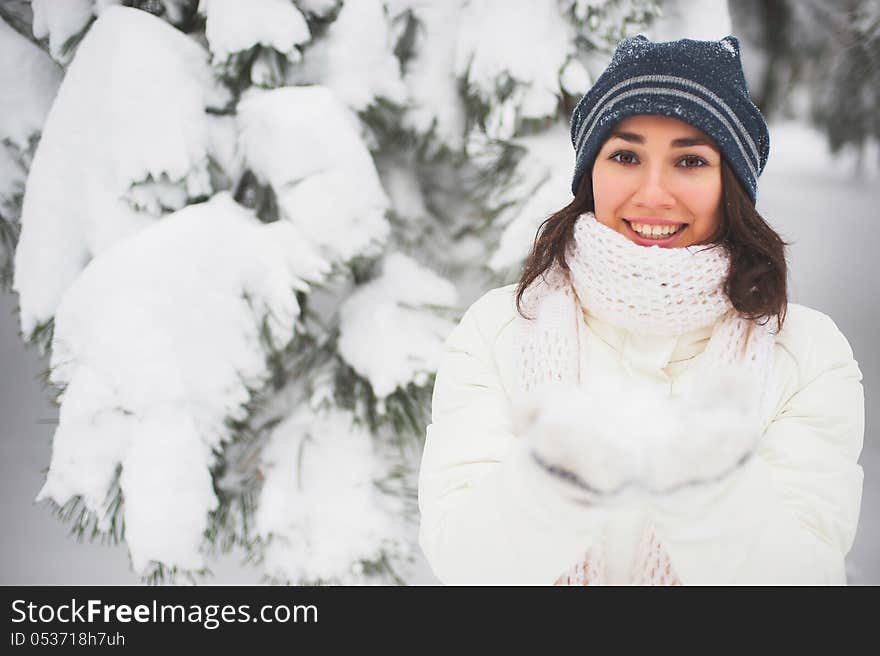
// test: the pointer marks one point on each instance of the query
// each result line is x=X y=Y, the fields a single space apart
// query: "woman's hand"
x=566 y=432
x=605 y=439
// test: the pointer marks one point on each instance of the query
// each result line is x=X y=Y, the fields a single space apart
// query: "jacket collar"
x=649 y=353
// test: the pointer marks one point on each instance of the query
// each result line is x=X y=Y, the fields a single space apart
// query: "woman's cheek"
x=609 y=192
x=707 y=212
x=702 y=196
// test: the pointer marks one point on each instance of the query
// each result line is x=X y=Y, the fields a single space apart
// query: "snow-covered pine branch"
x=23 y=110
x=114 y=154
x=246 y=232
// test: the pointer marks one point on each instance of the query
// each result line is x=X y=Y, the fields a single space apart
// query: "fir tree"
x=816 y=61
x=246 y=231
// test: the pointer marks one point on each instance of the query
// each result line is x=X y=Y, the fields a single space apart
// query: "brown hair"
x=756 y=284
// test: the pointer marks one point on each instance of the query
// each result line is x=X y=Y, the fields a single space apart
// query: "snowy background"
x=108 y=317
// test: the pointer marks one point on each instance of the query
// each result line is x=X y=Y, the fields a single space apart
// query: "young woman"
x=646 y=406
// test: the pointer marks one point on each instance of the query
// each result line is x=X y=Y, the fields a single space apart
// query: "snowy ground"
x=815 y=202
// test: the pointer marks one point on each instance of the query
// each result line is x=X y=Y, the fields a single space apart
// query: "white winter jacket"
x=789 y=516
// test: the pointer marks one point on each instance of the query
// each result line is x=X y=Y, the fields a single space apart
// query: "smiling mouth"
x=650 y=234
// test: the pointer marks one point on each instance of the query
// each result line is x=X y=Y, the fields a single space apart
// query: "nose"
x=653 y=190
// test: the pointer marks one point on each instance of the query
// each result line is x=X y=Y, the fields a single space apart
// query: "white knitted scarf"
x=647 y=291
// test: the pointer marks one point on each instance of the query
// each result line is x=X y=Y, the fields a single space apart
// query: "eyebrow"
x=690 y=141
x=682 y=142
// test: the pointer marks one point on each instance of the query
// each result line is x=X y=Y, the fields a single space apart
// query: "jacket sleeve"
x=488 y=515
x=789 y=516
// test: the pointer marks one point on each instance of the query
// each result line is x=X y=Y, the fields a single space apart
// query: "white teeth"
x=655 y=230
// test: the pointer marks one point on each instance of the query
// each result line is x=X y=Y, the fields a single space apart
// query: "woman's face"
x=657 y=180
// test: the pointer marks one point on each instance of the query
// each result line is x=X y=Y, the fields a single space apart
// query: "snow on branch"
x=320 y=511
x=541 y=186
x=306 y=144
x=435 y=105
x=387 y=332
x=29 y=80
x=113 y=150
x=193 y=290
x=355 y=58
x=62 y=22
x=511 y=56
x=233 y=28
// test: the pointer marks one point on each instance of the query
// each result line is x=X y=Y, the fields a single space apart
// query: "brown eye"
x=624 y=157
x=691 y=162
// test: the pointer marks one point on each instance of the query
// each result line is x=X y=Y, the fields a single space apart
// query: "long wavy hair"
x=756 y=283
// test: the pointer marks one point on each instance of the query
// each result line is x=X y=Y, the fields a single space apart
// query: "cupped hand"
x=610 y=438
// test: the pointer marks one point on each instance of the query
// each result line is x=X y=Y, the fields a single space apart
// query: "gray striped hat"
x=698 y=82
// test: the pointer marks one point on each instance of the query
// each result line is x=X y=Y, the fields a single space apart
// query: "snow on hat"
x=698 y=82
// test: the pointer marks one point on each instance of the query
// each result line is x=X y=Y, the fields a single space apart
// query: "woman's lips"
x=666 y=242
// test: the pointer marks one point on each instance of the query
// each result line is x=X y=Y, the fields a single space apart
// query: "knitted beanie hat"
x=698 y=82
